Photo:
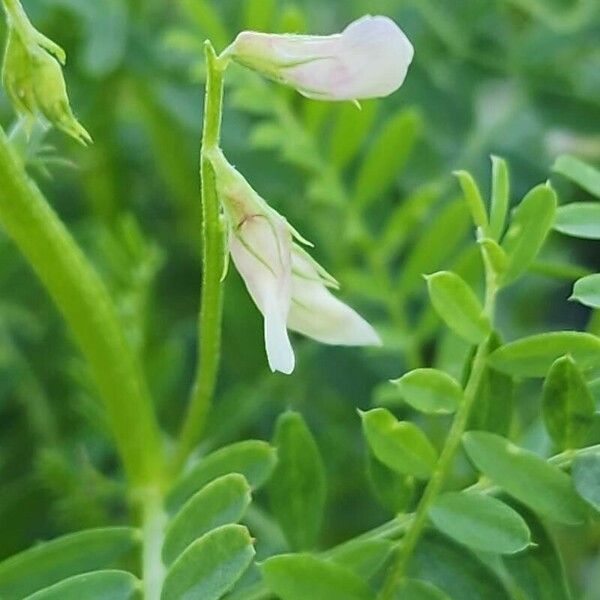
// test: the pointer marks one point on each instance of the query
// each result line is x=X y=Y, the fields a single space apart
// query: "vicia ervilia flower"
x=289 y=288
x=369 y=59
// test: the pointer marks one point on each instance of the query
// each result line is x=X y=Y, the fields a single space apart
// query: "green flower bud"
x=51 y=95
x=33 y=78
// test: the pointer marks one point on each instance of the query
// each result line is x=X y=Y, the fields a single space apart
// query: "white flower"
x=286 y=284
x=369 y=59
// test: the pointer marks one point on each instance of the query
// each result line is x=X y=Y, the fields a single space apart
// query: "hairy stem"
x=209 y=326
x=444 y=464
x=89 y=311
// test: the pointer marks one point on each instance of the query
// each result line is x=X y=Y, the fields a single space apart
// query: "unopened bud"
x=33 y=78
x=51 y=96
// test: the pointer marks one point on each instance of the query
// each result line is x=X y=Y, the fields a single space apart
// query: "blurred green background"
x=372 y=189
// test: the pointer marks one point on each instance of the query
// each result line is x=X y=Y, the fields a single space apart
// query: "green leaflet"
x=221 y=501
x=210 y=566
x=430 y=391
x=50 y=562
x=495 y=256
x=586 y=477
x=587 y=291
x=579 y=219
x=455 y=570
x=365 y=558
x=302 y=576
x=538 y=572
x=530 y=223
x=101 y=585
x=458 y=306
x=400 y=445
x=393 y=490
x=386 y=156
x=525 y=476
x=474 y=200
x=568 y=406
x=534 y=355
x=480 y=522
x=297 y=490
x=500 y=197
x=254 y=459
x=580 y=172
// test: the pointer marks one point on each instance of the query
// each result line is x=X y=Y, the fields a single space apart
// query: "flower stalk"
x=209 y=325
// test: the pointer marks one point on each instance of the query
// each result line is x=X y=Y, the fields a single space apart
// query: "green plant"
x=475 y=528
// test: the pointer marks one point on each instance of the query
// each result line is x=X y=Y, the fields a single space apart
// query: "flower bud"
x=369 y=59
x=34 y=81
x=51 y=96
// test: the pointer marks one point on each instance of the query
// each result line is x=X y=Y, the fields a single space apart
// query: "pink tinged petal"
x=369 y=59
x=260 y=250
x=317 y=313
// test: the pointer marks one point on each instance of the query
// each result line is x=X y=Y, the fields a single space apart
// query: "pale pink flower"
x=369 y=59
x=288 y=287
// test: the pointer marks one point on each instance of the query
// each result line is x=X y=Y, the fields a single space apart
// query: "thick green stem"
x=444 y=464
x=154 y=521
x=86 y=305
x=209 y=326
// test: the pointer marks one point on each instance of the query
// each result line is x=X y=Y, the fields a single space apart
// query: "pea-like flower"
x=369 y=59
x=288 y=286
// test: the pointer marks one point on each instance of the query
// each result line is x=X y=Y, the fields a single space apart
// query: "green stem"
x=444 y=464
x=88 y=309
x=154 y=521
x=209 y=326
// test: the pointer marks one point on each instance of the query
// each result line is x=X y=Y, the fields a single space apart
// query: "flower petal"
x=317 y=313
x=260 y=250
x=277 y=343
x=369 y=59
